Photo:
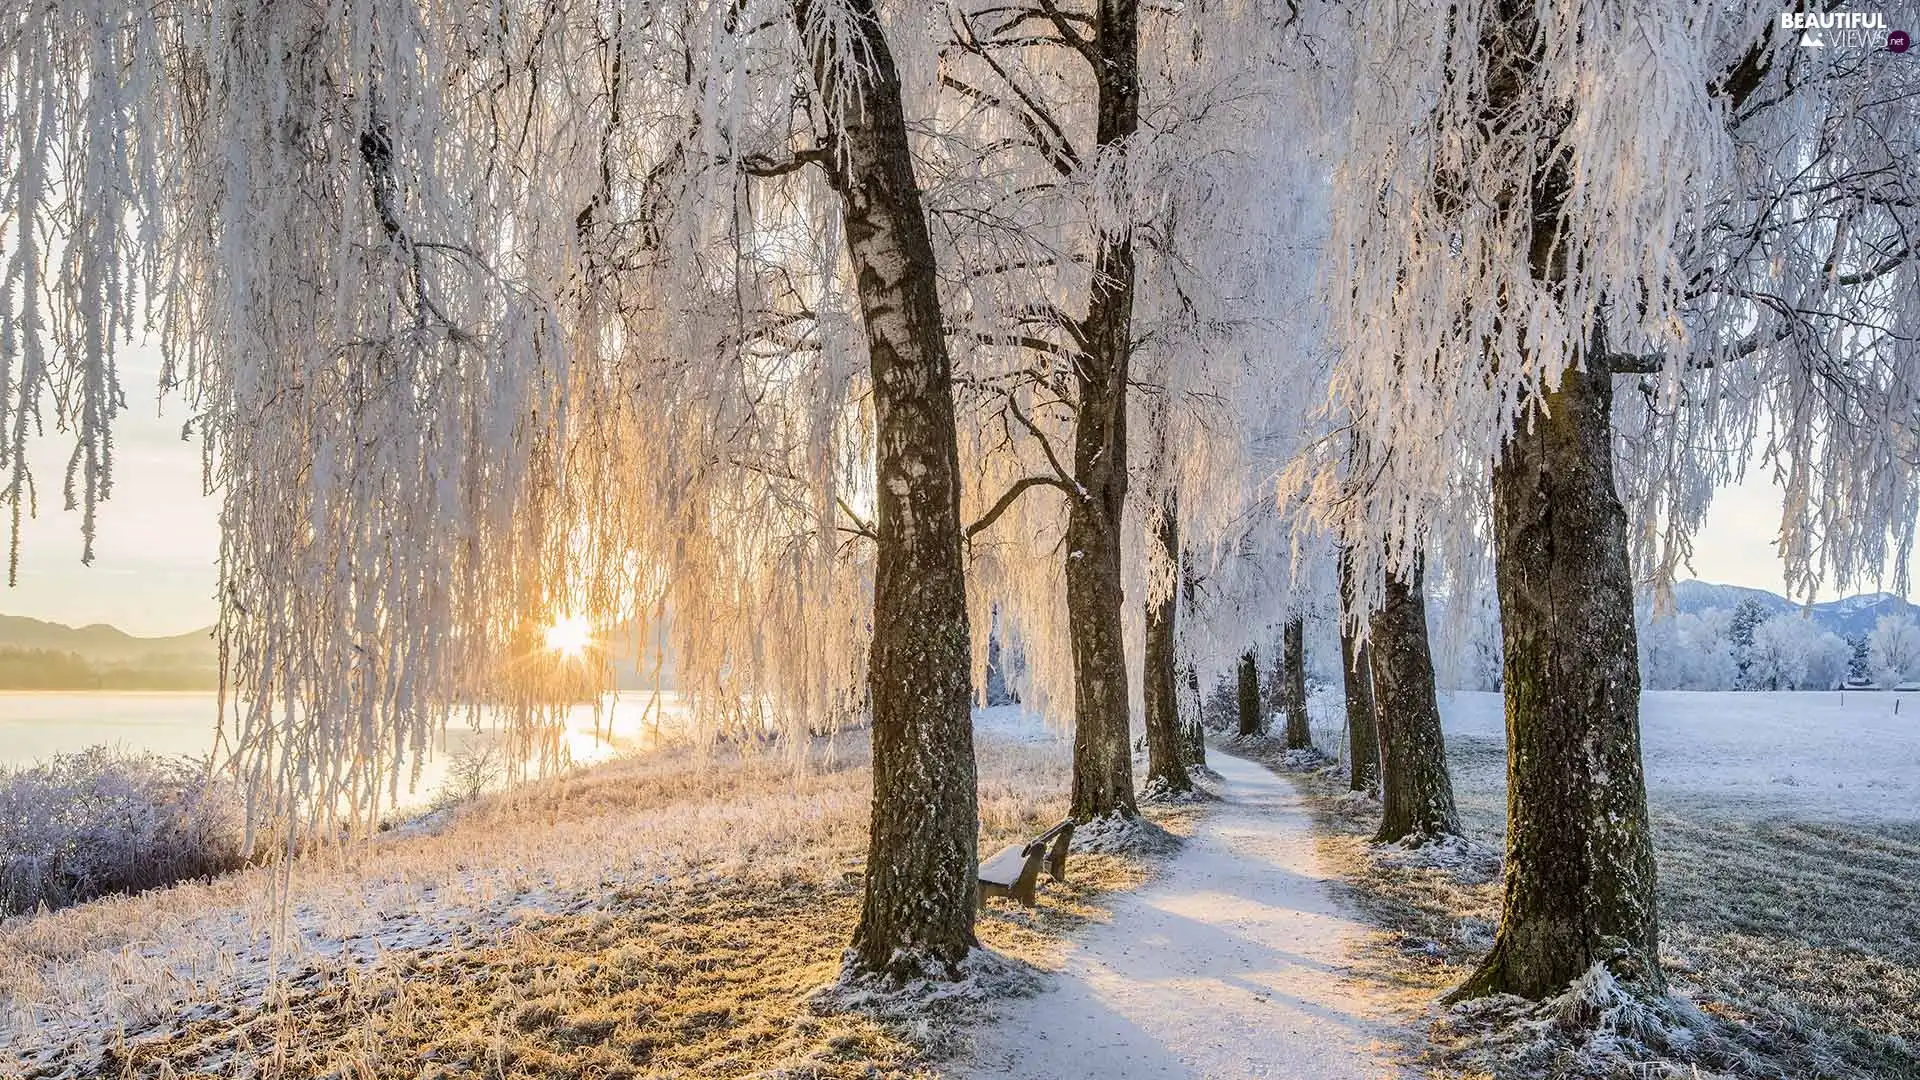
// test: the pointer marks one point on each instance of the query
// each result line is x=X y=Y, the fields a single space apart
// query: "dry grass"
x=1798 y=942
x=662 y=917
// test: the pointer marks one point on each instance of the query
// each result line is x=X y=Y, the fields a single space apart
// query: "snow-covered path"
x=1229 y=964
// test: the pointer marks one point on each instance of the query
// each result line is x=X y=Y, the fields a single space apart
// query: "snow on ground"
x=77 y=981
x=1843 y=756
x=1230 y=964
x=1013 y=724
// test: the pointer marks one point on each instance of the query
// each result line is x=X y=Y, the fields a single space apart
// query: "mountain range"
x=1851 y=617
x=38 y=655
x=102 y=643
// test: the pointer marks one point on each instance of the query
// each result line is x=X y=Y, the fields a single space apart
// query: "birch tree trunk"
x=916 y=917
x=1293 y=685
x=1580 y=870
x=1102 y=752
x=1166 y=762
x=1417 y=794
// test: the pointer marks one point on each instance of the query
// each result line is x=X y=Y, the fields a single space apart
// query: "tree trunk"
x=1102 y=750
x=1579 y=886
x=1356 y=669
x=1363 y=740
x=1293 y=686
x=1253 y=716
x=1166 y=764
x=916 y=917
x=1417 y=794
x=1580 y=870
x=1193 y=731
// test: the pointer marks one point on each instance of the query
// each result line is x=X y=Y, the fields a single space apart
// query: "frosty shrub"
x=102 y=821
x=471 y=773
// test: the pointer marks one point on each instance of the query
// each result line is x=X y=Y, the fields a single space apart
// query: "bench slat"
x=1006 y=867
x=1015 y=870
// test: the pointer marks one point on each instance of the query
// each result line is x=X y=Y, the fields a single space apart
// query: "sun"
x=570 y=636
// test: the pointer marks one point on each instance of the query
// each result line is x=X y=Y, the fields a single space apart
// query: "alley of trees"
x=859 y=337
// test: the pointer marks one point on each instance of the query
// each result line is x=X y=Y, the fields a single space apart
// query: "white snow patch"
x=1118 y=834
x=1471 y=861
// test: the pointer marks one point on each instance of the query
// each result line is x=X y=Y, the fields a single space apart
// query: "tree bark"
x=1193 y=731
x=1102 y=751
x=1417 y=794
x=1356 y=669
x=1253 y=716
x=1166 y=764
x=916 y=915
x=1363 y=740
x=1580 y=869
x=1579 y=887
x=1293 y=686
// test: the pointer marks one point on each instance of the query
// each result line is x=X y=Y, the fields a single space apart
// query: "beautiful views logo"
x=1844 y=29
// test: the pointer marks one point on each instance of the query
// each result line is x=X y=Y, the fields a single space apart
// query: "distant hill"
x=1851 y=617
x=100 y=642
x=37 y=655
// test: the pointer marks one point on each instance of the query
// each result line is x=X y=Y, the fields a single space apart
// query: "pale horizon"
x=158 y=537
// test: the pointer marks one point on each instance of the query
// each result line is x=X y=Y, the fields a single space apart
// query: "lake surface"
x=36 y=726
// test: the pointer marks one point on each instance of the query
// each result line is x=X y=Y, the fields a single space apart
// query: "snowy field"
x=1839 y=756
x=1787 y=828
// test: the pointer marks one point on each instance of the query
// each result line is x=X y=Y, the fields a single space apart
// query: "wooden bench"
x=1015 y=872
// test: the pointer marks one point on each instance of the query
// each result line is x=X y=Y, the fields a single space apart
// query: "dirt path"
x=1230 y=964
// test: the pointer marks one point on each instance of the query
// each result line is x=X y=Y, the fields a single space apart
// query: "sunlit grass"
x=655 y=916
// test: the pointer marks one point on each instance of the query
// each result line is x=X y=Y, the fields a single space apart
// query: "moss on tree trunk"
x=1579 y=886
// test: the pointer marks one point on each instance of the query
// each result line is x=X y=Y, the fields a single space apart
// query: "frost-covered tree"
x=1747 y=617
x=1893 y=650
x=1160 y=659
x=1687 y=651
x=578 y=310
x=1789 y=653
x=1066 y=88
x=1252 y=714
x=1290 y=681
x=1537 y=214
x=1119 y=185
x=1776 y=655
x=1860 y=664
x=1416 y=791
x=916 y=915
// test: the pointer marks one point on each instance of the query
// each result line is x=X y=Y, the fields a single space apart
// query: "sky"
x=158 y=540
x=154 y=568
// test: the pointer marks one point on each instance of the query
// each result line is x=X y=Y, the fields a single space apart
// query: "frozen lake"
x=34 y=726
